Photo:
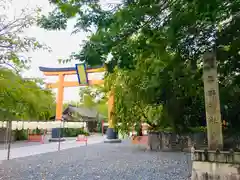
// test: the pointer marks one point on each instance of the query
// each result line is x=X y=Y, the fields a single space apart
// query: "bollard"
x=192 y=152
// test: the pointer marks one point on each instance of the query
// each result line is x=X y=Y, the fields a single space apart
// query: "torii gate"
x=85 y=78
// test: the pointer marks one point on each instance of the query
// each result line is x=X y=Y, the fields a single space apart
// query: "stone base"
x=111 y=133
x=215 y=165
x=56 y=139
x=112 y=136
x=112 y=141
x=56 y=132
x=215 y=171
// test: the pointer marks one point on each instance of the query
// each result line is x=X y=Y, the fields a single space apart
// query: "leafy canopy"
x=13 y=43
x=156 y=52
x=21 y=99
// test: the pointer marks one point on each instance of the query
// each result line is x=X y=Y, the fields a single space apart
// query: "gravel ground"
x=98 y=162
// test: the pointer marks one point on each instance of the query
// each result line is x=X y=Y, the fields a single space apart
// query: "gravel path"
x=98 y=162
x=28 y=149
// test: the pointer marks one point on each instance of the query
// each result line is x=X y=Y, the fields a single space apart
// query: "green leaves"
x=20 y=99
x=157 y=49
x=13 y=44
x=94 y=97
x=55 y=21
x=23 y=99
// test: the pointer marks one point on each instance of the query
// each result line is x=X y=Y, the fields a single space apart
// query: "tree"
x=20 y=98
x=13 y=43
x=94 y=97
x=159 y=46
x=23 y=99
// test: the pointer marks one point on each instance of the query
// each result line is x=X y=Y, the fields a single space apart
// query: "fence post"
x=59 y=135
x=102 y=127
x=9 y=137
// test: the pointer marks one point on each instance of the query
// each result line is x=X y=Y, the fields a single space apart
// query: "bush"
x=69 y=132
x=37 y=131
x=198 y=129
x=99 y=127
x=86 y=133
x=20 y=135
x=160 y=129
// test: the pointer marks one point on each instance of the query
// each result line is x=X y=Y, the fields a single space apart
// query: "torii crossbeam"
x=61 y=83
x=90 y=76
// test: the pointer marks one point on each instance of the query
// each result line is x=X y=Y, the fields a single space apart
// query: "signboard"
x=82 y=74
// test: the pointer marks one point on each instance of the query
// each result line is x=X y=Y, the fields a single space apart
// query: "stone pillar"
x=212 y=102
x=213 y=163
x=155 y=141
x=166 y=141
x=112 y=136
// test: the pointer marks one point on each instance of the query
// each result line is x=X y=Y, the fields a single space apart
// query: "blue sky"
x=62 y=44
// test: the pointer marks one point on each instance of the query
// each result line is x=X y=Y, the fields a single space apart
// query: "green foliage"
x=13 y=43
x=23 y=99
x=94 y=97
x=37 y=131
x=198 y=129
x=20 y=135
x=58 y=21
x=156 y=49
x=69 y=132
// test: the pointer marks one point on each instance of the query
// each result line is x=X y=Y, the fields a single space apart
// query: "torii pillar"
x=85 y=76
x=112 y=136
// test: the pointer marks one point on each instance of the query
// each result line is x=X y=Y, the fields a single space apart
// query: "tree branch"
x=10 y=65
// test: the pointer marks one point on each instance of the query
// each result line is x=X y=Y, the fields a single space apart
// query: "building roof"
x=82 y=111
x=85 y=112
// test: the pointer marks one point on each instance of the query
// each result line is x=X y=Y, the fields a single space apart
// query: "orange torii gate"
x=85 y=78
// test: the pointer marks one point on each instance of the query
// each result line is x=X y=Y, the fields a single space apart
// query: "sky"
x=62 y=44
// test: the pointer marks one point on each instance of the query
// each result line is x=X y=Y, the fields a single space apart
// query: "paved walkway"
x=18 y=144
x=23 y=149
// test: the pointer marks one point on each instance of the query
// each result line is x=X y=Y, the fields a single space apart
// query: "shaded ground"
x=98 y=162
